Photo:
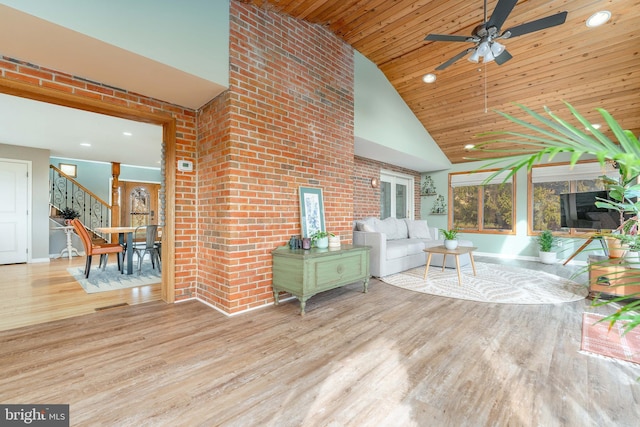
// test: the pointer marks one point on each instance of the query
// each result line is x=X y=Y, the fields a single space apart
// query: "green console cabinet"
x=304 y=273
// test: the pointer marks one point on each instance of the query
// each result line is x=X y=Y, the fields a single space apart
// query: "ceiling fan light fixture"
x=497 y=49
x=475 y=56
x=483 y=48
x=598 y=18
x=429 y=78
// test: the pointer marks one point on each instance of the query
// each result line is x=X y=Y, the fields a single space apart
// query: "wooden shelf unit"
x=612 y=276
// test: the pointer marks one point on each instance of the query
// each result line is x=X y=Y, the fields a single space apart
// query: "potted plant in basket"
x=546 y=242
x=450 y=238
x=320 y=239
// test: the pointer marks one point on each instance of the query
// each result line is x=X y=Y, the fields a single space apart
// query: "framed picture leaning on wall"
x=311 y=210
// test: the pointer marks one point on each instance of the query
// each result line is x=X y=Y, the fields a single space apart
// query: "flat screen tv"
x=579 y=210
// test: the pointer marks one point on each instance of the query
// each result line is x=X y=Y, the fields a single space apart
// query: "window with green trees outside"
x=548 y=182
x=479 y=206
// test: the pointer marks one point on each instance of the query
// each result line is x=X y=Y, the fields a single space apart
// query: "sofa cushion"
x=399 y=248
x=393 y=228
x=418 y=229
x=396 y=249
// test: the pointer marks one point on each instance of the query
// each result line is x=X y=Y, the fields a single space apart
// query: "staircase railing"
x=66 y=192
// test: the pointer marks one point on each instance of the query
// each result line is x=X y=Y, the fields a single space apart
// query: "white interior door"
x=14 y=214
x=396 y=196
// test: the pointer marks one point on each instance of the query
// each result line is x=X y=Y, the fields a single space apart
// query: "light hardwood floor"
x=41 y=292
x=391 y=357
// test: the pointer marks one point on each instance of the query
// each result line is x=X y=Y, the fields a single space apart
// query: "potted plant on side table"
x=320 y=239
x=546 y=242
x=68 y=214
x=450 y=238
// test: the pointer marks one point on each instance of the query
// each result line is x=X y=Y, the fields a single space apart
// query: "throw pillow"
x=418 y=229
x=363 y=226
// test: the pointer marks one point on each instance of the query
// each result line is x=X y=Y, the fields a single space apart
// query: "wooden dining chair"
x=92 y=248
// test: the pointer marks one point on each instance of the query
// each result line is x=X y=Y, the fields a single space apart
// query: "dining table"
x=125 y=235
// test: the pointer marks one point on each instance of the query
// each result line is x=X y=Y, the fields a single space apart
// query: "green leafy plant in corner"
x=551 y=135
x=69 y=213
x=547 y=241
x=450 y=234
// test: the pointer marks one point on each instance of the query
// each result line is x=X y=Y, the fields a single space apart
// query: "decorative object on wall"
x=428 y=187
x=439 y=206
x=311 y=211
x=374 y=182
x=68 y=169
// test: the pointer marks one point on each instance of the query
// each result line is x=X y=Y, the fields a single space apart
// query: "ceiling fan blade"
x=501 y=13
x=454 y=59
x=445 y=38
x=503 y=57
x=537 y=25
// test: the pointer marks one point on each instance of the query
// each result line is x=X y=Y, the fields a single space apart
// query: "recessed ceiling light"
x=85 y=144
x=598 y=18
x=469 y=146
x=127 y=133
x=429 y=78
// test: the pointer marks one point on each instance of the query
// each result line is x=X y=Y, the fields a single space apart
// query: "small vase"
x=334 y=241
x=451 y=244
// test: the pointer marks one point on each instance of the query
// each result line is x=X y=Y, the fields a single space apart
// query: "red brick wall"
x=290 y=115
x=367 y=198
x=185 y=149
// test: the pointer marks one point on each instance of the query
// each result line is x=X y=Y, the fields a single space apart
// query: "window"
x=482 y=207
x=547 y=183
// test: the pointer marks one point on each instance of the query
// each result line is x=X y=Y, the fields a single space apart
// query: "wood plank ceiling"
x=588 y=67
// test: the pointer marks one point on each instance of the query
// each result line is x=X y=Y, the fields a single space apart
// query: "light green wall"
x=519 y=245
x=190 y=35
x=382 y=116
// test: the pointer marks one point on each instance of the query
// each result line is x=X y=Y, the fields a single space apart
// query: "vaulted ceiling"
x=588 y=67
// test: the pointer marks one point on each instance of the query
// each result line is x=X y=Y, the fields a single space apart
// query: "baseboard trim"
x=524 y=258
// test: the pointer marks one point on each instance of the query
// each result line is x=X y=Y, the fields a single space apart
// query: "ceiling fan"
x=484 y=36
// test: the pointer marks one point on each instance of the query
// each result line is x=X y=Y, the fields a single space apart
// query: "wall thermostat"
x=185 y=166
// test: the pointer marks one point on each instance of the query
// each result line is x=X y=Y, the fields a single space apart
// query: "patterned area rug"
x=494 y=283
x=599 y=340
x=110 y=279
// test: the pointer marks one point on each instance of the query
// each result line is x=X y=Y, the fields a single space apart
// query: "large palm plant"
x=552 y=135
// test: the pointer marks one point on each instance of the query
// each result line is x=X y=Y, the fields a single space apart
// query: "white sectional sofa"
x=398 y=244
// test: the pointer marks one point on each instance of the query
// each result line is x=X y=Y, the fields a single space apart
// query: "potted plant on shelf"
x=546 y=242
x=553 y=135
x=450 y=238
x=320 y=239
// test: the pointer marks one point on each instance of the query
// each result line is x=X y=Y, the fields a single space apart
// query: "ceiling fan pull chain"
x=485 y=89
